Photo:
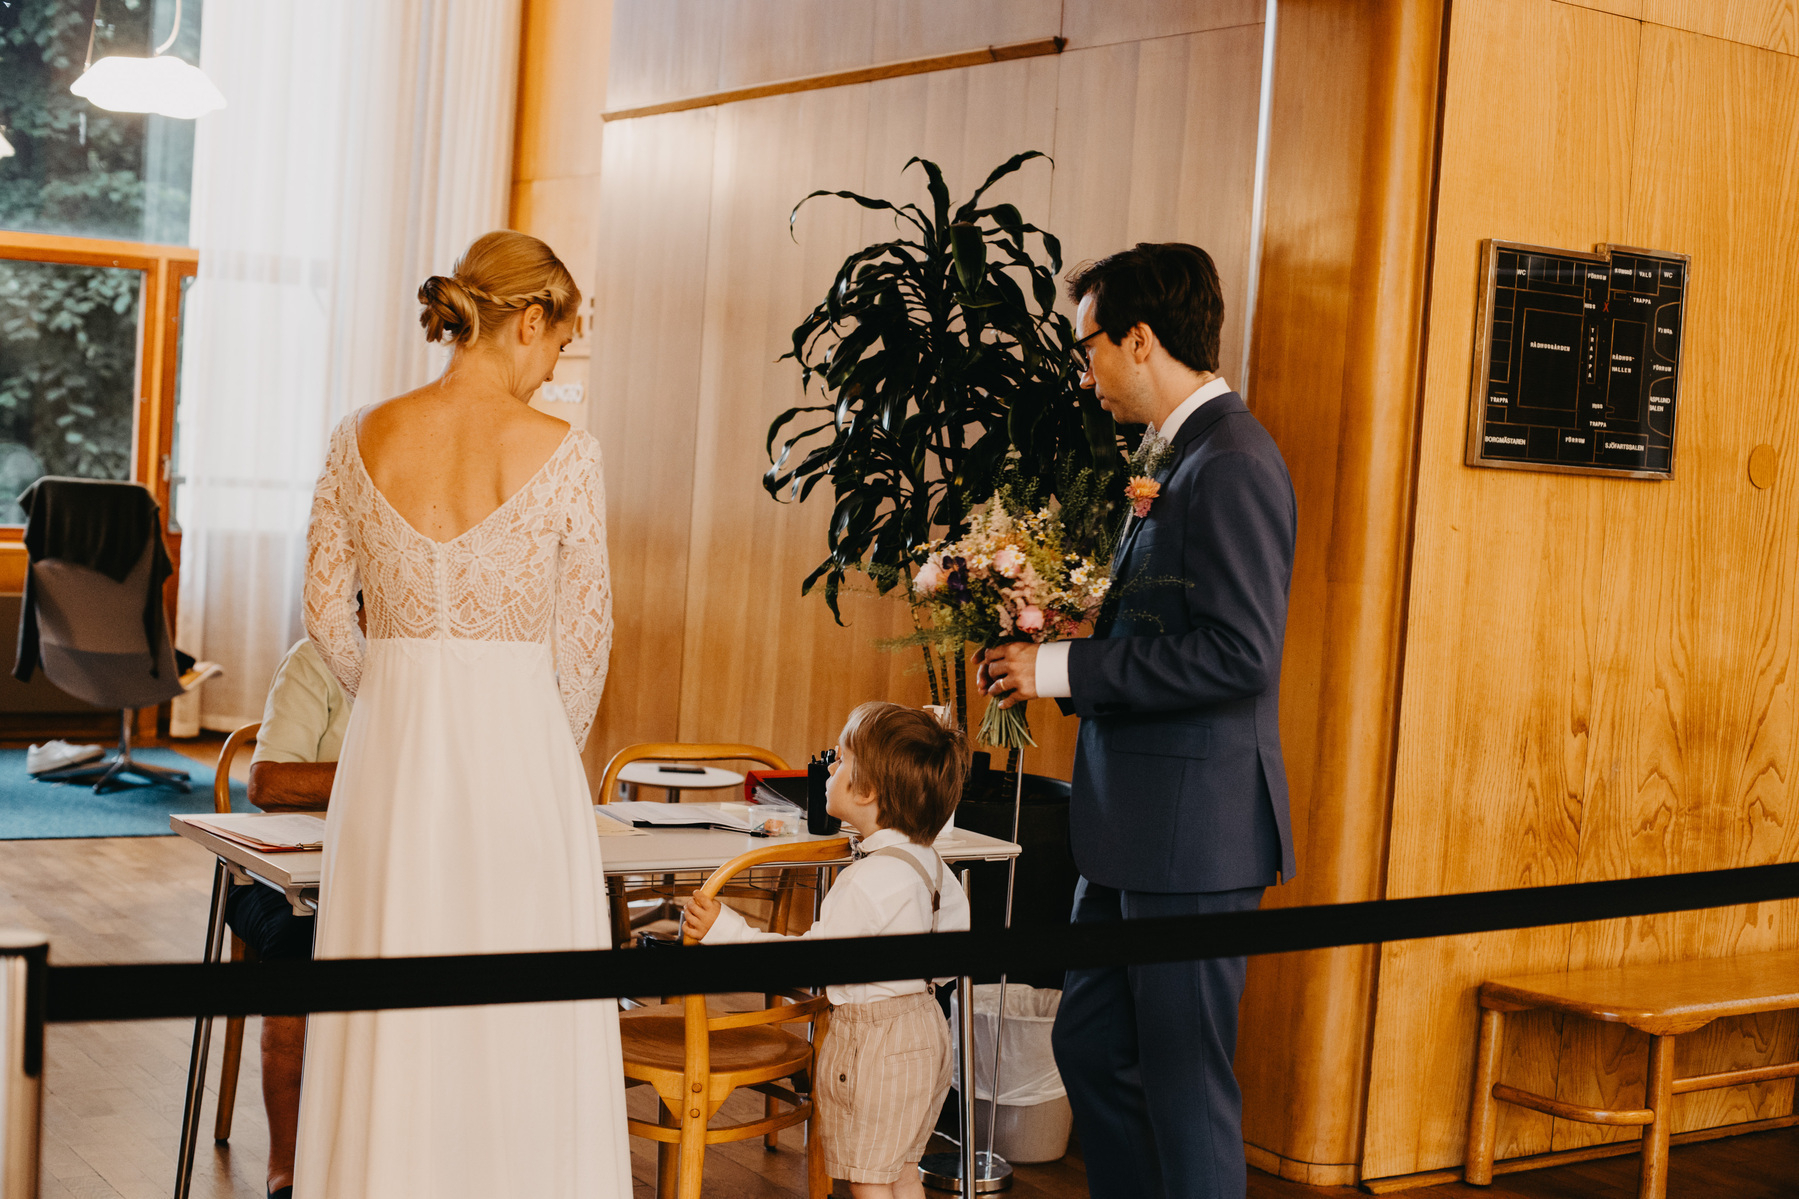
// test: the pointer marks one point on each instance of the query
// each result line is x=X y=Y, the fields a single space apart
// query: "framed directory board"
x=1577 y=360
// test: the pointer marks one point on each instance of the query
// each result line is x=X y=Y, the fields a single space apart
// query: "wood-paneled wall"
x=1151 y=117
x=1597 y=672
x=1492 y=678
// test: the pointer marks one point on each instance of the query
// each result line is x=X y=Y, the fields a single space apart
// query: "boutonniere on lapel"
x=1146 y=463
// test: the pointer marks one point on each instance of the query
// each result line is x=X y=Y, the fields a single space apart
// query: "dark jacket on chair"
x=1179 y=784
x=101 y=525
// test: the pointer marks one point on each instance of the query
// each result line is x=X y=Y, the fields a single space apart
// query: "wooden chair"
x=232 y=1057
x=694 y=1060
x=786 y=891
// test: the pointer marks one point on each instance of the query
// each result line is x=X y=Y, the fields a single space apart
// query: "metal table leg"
x=959 y=1169
x=196 y=1062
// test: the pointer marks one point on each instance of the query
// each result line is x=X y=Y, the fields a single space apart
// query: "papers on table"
x=610 y=827
x=732 y=817
x=267 y=832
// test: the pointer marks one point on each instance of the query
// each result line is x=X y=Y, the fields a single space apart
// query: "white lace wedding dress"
x=460 y=822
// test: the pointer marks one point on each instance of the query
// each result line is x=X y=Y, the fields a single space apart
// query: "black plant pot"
x=1043 y=893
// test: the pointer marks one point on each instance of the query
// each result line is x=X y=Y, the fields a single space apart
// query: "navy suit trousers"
x=1145 y=1052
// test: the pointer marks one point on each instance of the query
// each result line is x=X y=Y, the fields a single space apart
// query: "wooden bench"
x=1663 y=1001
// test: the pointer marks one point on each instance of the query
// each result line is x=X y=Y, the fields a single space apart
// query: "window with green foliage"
x=70 y=329
x=68 y=363
x=77 y=169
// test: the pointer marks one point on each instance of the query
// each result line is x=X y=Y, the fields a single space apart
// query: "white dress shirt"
x=1052 y=659
x=875 y=897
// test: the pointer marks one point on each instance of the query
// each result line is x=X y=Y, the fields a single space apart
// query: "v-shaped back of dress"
x=534 y=570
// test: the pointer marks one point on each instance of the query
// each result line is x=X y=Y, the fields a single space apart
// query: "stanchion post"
x=24 y=974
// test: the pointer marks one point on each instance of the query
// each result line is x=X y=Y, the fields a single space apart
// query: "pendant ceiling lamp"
x=167 y=86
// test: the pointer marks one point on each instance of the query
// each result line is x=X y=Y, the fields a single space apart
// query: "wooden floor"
x=113 y=1091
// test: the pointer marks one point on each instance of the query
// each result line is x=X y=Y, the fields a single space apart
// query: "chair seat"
x=656 y=1038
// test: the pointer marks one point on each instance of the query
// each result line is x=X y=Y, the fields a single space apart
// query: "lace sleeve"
x=584 y=596
x=331 y=573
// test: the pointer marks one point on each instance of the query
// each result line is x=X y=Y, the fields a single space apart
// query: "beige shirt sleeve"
x=306 y=713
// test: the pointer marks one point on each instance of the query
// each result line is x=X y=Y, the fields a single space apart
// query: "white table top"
x=661 y=851
x=652 y=774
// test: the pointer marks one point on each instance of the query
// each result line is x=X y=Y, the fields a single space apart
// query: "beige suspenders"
x=935 y=884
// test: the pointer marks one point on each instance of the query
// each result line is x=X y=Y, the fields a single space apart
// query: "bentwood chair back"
x=676 y=751
x=694 y=1060
x=786 y=891
x=234 y=1025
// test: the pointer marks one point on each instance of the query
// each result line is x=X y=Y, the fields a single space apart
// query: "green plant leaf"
x=934 y=183
x=999 y=172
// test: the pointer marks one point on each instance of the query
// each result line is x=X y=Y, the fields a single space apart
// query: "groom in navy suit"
x=1180 y=795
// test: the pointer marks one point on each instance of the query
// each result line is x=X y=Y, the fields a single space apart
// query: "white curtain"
x=362 y=147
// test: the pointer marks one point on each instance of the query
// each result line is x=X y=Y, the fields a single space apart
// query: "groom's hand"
x=1010 y=671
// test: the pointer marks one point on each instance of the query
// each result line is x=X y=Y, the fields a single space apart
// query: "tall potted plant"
x=942 y=364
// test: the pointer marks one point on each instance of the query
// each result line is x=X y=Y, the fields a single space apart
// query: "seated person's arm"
x=286 y=773
x=291 y=786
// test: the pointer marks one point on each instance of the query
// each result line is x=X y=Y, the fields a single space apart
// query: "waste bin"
x=1034 y=1116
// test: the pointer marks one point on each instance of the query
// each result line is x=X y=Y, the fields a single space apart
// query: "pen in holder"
x=818 y=777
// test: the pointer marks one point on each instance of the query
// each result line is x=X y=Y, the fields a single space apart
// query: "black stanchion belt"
x=155 y=991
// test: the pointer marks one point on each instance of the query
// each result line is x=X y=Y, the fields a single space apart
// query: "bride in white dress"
x=461 y=822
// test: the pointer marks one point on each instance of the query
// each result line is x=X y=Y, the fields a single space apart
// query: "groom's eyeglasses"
x=1083 y=355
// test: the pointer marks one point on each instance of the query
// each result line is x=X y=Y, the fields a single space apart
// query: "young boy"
x=884 y=1068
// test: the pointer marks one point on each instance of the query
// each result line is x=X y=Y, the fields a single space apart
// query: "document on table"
x=268 y=832
x=610 y=826
x=733 y=817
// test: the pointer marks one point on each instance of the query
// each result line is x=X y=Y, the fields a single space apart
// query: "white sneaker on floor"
x=199 y=674
x=55 y=755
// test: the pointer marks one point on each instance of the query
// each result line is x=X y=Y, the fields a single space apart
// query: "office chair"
x=93 y=615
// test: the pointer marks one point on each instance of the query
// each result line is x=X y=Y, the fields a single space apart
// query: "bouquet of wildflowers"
x=1011 y=577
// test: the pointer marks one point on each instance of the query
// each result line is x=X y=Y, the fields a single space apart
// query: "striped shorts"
x=882 y=1076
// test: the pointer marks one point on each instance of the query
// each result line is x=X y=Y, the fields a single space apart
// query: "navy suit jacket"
x=1178 y=780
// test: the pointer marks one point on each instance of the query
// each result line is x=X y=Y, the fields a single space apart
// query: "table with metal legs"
x=671 y=849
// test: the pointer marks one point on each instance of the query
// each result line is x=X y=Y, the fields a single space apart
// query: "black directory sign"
x=1577 y=366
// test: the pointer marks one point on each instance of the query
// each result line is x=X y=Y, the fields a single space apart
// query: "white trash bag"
x=1027 y=1071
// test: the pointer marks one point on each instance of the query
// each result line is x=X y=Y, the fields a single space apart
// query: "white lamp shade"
x=164 y=85
x=6 y=150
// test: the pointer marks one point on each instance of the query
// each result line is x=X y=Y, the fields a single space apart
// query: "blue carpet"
x=31 y=810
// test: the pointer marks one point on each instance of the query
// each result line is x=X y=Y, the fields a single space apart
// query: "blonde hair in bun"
x=501 y=274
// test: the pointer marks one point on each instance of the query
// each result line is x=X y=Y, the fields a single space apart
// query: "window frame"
x=159 y=331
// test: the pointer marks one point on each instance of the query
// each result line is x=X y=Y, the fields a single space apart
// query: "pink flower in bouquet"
x=1142 y=492
x=1030 y=620
x=928 y=579
x=1008 y=561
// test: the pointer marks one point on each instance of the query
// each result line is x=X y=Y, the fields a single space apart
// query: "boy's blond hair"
x=914 y=766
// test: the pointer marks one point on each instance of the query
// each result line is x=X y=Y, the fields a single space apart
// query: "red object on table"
x=755 y=776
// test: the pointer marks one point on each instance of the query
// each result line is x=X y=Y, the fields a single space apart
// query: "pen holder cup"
x=819 y=822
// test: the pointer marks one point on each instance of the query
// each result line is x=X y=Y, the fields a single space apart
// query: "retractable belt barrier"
x=158 y=991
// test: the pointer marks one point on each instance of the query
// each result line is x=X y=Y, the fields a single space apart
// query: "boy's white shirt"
x=875 y=897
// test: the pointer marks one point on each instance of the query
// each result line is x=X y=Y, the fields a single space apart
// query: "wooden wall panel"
x=564 y=46
x=1087 y=23
x=1156 y=141
x=1500 y=681
x=1187 y=168
x=1712 y=734
x=1770 y=24
x=655 y=208
x=747 y=623
x=667 y=49
x=1596 y=679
